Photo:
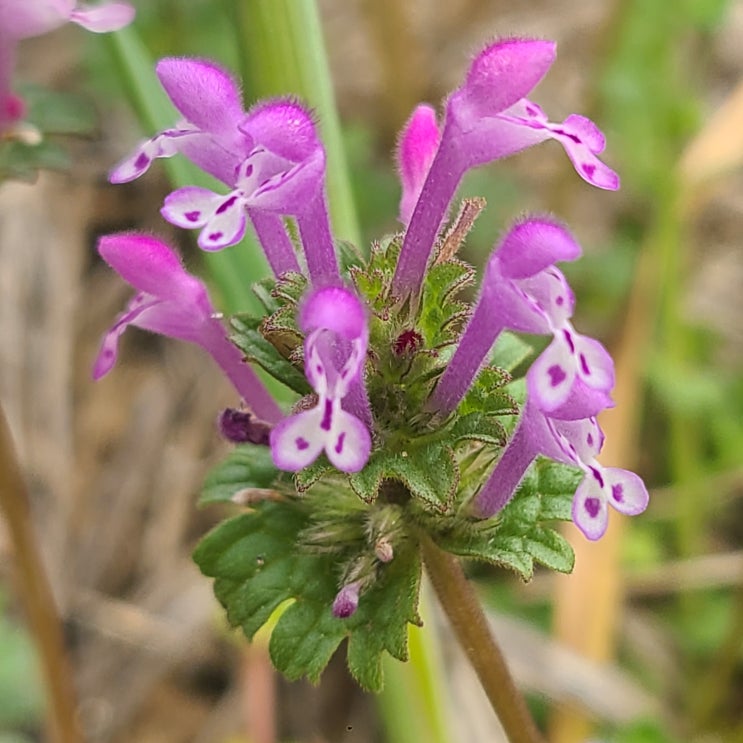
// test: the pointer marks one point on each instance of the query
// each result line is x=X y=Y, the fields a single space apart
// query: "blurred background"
x=644 y=643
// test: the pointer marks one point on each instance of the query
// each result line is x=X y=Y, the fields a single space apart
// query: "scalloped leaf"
x=247 y=467
x=519 y=535
x=428 y=470
x=259 y=563
x=488 y=395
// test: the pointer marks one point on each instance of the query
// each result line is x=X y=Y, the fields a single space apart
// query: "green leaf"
x=488 y=396
x=520 y=534
x=306 y=478
x=381 y=622
x=250 y=341
x=259 y=561
x=246 y=467
x=510 y=352
x=21 y=690
x=440 y=315
x=478 y=427
x=550 y=549
x=428 y=470
x=23 y=161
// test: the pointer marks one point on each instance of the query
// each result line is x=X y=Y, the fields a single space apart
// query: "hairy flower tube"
x=171 y=302
x=271 y=158
x=522 y=290
x=334 y=352
x=22 y=19
x=486 y=119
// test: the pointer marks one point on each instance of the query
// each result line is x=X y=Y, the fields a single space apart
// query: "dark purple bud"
x=241 y=427
x=408 y=341
x=347 y=600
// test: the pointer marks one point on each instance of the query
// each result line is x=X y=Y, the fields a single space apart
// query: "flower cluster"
x=272 y=164
x=22 y=19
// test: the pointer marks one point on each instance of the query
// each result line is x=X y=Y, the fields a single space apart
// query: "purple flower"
x=522 y=290
x=347 y=600
x=172 y=302
x=573 y=377
x=601 y=486
x=334 y=322
x=210 y=103
x=575 y=442
x=562 y=390
x=22 y=19
x=271 y=158
x=416 y=149
x=486 y=119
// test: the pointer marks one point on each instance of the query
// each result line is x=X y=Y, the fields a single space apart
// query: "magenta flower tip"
x=205 y=93
x=504 y=72
x=284 y=126
x=335 y=309
x=416 y=149
x=347 y=600
x=533 y=244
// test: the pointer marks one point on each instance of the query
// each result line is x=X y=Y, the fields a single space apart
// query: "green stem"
x=282 y=52
x=470 y=626
x=36 y=594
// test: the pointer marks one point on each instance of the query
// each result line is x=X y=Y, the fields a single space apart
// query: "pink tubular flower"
x=416 y=149
x=271 y=158
x=522 y=291
x=489 y=118
x=334 y=353
x=576 y=442
x=172 y=302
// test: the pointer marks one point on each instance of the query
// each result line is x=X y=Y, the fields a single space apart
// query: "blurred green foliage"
x=21 y=698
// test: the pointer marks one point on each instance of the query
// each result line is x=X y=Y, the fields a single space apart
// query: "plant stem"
x=471 y=628
x=36 y=594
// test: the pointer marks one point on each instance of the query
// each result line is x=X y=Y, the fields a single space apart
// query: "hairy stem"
x=36 y=594
x=471 y=628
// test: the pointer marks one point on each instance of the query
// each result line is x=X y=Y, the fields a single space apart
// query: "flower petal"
x=190 y=207
x=283 y=127
x=297 y=441
x=349 y=444
x=103 y=18
x=552 y=294
x=289 y=191
x=534 y=244
x=590 y=510
x=153 y=267
x=625 y=490
x=503 y=73
x=164 y=144
x=23 y=19
x=227 y=226
x=106 y=358
x=595 y=365
x=416 y=149
x=205 y=93
x=334 y=308
x=550 y=378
